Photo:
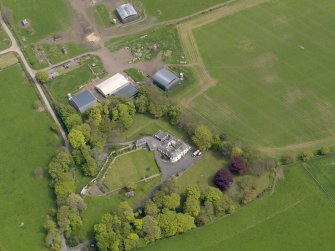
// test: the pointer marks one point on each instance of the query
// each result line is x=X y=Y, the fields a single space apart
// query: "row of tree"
x=165 y=215
x=70 y=205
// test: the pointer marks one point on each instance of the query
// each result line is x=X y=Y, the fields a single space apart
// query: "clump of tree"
x=307 y=155
x=202 y=137
x=42 y=77
x=288 y=159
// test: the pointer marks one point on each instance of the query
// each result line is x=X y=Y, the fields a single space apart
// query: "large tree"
x=42 y=77
x=223 y=179
x=76 y=138
x=202 y=137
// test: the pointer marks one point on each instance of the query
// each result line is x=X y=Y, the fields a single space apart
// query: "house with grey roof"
x=165 y=79
x=127 y=13
x=173 y=148
x=83 y=101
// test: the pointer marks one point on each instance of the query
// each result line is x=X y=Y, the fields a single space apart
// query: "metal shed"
x=127 y=13
x=165 y=79
x=83 y=101
x=112 y=85
x=127 y=91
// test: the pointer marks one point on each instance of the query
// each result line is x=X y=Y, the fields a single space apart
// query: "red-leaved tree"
x=223 y=179
x=237 y=165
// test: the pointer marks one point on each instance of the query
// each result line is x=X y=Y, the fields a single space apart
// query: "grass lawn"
x=4 y=40
x=144 y=125
x=274 y=69
x=98 y=206
x=45 y=17
x=72 y=81
x=55 y=54
x=323 y=169
x=165 y=37
x=26 y=143
x=166 y=10
x=130 y=167
x=298 y=216
x=136 y=75
x=8 y=59
x=101 y=16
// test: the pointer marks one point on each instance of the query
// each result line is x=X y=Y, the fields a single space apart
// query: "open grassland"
x=273 y=64
x=101 y=16
x=98 y=206
x=167 y=10
x=55 y=54
x=26 y=144
x=144 y=125
x=131 y=167
x=45 y=17
x=297 y=216
x=4 y=40
x=323 y=169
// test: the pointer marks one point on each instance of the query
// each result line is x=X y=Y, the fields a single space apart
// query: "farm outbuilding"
x=83 y=101
x=127 y=13
x=165 y=79
x=127 y=91
x=117 y=85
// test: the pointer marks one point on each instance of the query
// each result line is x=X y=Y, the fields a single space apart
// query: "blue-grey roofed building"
x=127 y=13
x=165 y=79
x=127 y=91
x=83 y=101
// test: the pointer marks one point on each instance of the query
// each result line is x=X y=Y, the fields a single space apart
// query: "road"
x=16 y=48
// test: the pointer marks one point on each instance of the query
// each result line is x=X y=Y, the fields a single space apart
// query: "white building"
x=112 y=85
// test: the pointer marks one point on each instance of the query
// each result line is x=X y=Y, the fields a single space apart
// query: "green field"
x=26 y=144
x=72 y=81
x=166 y=10
x=101 y=16
x=323 y=169
x=144 y=125
x=55 y=54
x=274 y=69
x=4 y=40
x=297 y=216
x=45 y=17
x=130 y=167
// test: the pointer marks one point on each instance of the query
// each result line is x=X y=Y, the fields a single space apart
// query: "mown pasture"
x=167 y=10
x=45 y=17
x=27 y=144
x=273 y=64
x=297 y=216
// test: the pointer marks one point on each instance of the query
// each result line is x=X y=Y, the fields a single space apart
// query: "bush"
x=236 y=151
x=223 y=179
x=324 y=150
x=288 y=159
x=42 y=77
x=305 y=156
x=237 y=165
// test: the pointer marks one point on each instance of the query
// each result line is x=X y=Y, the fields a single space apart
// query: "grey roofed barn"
x=83 y=101
x=165 y=79
x=127 y=91
x=127 y=13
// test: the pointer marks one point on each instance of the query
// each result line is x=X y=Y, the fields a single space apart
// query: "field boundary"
x=329 y=195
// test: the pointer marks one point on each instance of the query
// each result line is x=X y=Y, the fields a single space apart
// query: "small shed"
x=165 y=79
x=127 y=13
x=24 y=22
x=83 y=101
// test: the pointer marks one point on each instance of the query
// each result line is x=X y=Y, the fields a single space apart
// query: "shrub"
x=324 y=150
x=237 y=165
x=305 y=156
x=236 y=151
x=42 y=77
x=288 y=159
x=223 y=179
